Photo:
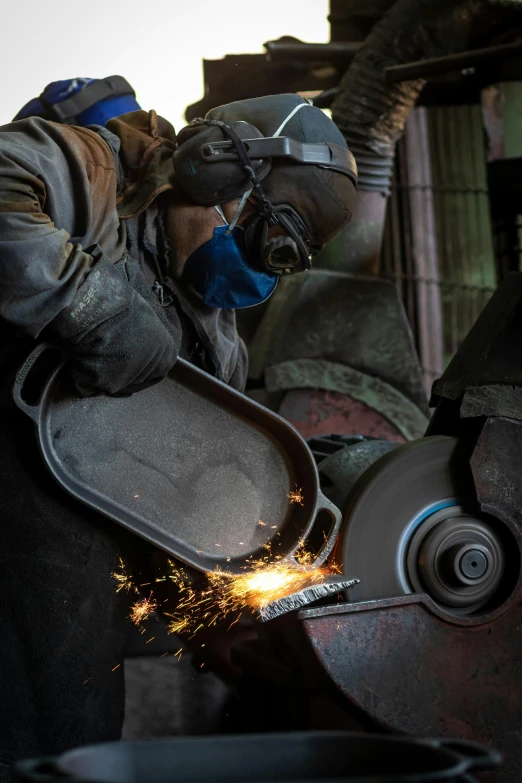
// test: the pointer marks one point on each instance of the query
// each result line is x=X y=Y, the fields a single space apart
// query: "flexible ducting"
x=372 y=114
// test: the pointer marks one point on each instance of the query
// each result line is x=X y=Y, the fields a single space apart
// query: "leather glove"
x=117 y=343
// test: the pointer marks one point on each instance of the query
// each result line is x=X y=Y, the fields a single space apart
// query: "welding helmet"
x=82 y=101
x=293 y=160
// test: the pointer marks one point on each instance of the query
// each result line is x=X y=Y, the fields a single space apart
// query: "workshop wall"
x=439 y=242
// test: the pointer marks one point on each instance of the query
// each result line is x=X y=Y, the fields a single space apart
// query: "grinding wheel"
x=411 y=525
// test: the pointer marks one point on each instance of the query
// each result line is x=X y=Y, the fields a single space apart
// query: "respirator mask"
x=220 y=162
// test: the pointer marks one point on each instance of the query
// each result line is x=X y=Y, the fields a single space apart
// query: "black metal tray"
x=188 y=464
x=289 y=757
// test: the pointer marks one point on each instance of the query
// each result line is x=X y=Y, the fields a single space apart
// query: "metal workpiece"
x=189 y=464
x=305 y=596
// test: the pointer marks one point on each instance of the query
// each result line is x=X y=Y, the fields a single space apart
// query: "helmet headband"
x=325 y=154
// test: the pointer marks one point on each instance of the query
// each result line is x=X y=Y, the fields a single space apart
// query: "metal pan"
x=289 y=757
x=189 y=464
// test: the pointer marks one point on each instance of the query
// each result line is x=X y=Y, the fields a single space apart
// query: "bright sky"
x=158 y=46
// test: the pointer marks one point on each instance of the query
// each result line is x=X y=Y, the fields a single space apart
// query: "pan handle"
x=33 y=410
x=42 y=770
x=473 y=754
x=325 y=527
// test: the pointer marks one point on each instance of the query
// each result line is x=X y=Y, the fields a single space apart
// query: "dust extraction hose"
x=372 y=114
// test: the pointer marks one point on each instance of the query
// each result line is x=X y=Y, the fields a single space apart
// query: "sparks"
x=296 y=496
x=232 y=594
x=306 y=558
x=179 y=624
x=143 y=609
x=225 y=596
x=262 y=584
x=123 y=580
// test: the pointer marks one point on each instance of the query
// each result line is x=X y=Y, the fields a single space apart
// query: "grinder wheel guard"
x=412 y=525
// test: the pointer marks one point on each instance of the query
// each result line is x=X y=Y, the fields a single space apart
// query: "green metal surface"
x=463 y=224
x=373 y=392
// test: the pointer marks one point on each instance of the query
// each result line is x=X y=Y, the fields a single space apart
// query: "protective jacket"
x=75 y=199
x=79 y=206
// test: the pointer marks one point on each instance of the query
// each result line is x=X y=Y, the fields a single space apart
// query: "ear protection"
x=217 y=162
x=211 y=184
x=211 y=169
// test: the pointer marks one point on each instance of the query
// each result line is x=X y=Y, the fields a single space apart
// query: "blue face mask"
x=220 y=273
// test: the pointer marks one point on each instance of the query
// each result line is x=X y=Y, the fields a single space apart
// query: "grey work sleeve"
x=40 y=268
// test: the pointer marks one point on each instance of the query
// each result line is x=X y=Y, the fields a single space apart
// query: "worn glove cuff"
x=105 y=292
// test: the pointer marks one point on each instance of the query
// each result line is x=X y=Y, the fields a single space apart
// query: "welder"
x=128 y=247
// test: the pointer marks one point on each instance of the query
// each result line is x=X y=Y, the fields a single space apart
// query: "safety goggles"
x=285 y=253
